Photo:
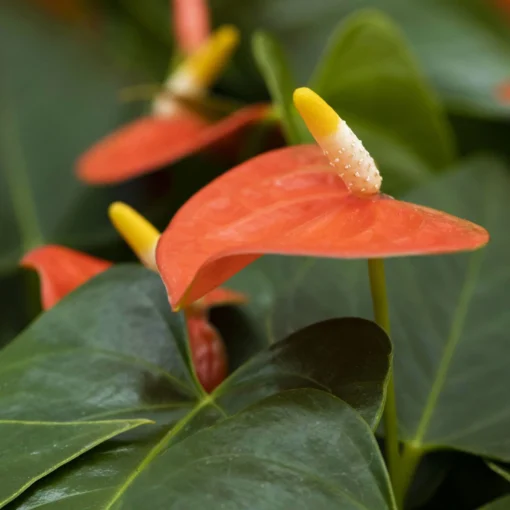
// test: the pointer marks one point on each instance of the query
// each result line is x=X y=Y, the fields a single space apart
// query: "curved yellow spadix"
x=342 y=147
x=138 y=232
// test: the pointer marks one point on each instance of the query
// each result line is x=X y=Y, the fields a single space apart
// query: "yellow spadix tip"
x=138 y=233
x=210 y=59
x=319 y=117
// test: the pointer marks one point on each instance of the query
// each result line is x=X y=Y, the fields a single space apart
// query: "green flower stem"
x=382 y=318
x=411 y=456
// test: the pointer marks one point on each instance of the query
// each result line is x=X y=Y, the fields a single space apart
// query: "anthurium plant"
x=318 y=317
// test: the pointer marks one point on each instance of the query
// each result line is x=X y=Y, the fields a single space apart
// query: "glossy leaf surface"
x=113 y=349
x=31 y=449
x=288 y=201
x=151 y=142
x=449 y=316
x=300 y=449
x=62 y=270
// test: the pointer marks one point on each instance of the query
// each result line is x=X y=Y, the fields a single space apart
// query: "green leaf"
x=274 y=461
x=500 y=470
x=274 y=67
x=449 y=316
x=31 y=449
x=498 y=504
x=57 y=98
x=370 y=77
x=454 y=40
x=113 y=349
x=300 y=449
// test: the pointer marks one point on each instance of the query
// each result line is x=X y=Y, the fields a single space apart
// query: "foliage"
x=102 y=399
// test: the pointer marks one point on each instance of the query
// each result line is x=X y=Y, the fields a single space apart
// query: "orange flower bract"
x=290 y=202
x=63 y=270
x=148 y=143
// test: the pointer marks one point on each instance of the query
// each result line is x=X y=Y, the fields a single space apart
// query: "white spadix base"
x=351 y=160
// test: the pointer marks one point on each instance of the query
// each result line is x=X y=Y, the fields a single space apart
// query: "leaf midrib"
x=159 y=447
x=453 y=339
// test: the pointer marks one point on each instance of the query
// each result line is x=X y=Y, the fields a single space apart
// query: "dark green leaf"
x=449 y=313
x=499 y=504
x=32 y=449
x=430 y=475
x=56 y=98
x=300 y=449
x=370 y=77
x=500 y=470
x=19 y=305
x=113 y=349
x=278 y=460
x=273 y=66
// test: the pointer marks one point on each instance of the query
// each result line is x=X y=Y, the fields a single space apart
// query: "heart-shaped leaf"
x=33 y=449
x=262 y=449
x=113 y=349
x=300 y=449
x=294 y=206
x=449 y=316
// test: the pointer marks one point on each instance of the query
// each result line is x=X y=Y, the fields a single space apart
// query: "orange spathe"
x=289 y=202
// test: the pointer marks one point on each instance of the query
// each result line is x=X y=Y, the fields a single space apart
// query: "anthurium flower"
x=62 y=270
x=303 y=200
x=174 y=128
x=191 y=24
x=503 y=92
